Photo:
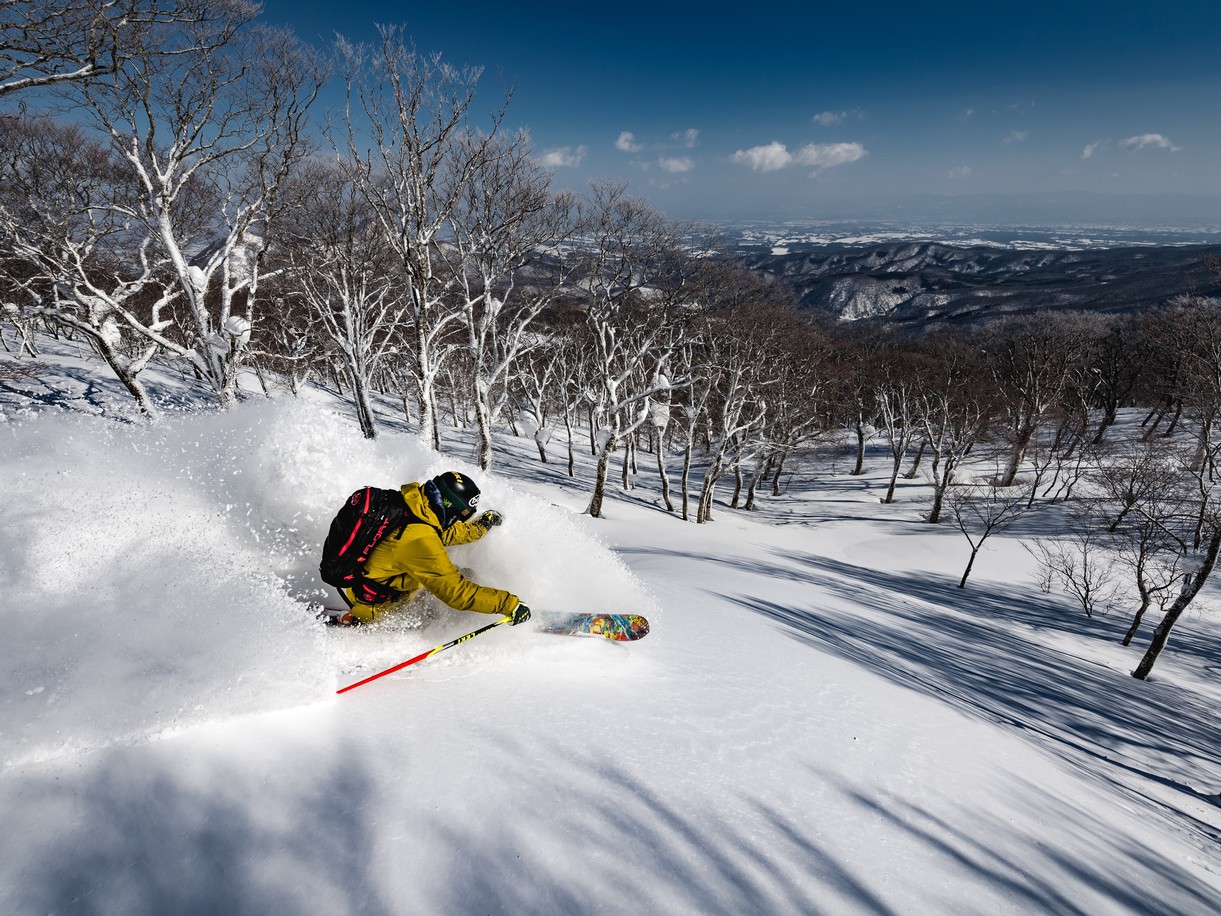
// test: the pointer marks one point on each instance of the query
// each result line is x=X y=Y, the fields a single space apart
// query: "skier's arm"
x=462 y=533
x=465 y=532
x=434 y=570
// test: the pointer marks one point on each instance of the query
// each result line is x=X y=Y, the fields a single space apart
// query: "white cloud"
x=564 y=156
x=831 y=118
x=627 y=143
x=1144 y=140
x=676 y=163
x=960 y=173
x=687 y=138
x=776 y=155
x=769 y=158
x=1091 y=148
x=829 y=155
x=1016 y=136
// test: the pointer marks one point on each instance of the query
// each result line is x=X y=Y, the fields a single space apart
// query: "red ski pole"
x=424 y=655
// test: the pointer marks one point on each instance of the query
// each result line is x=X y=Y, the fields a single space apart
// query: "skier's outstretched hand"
x=490 y=519
x=519 y=614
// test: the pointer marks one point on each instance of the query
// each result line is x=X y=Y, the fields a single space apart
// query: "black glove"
x=519 y=614
x=490 y=519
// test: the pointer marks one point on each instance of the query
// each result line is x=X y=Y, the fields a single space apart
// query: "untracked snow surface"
x=819 y=722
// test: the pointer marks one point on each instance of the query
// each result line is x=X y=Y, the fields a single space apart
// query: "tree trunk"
x=941 y=483
x=962 y=583
x=364 y=409
x=894 y=480
x=119 y=365
x=761 y=469
x=776 y=478
x=1191 y=588
x=703 y=511
x=595 y=502
x=427 y=397
x=860 y=450
x=661 y=472
x=1174 y=419
x=686 y=480
x=1107 y=421
x=483 y=419
x=571 y=454
x=1025 y=434
x=1136 y=619
x=915 y=468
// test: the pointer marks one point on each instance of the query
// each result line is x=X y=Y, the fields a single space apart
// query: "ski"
x=619 y=627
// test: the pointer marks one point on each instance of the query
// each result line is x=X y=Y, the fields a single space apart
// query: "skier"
x=414 y=557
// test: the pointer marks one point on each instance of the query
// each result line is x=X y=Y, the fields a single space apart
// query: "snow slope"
x=819 y=721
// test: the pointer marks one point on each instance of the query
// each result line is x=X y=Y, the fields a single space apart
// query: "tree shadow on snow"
x=40 y=387
x=1070 y=876
x=141 y=843
x=969 y=648
x=578 y=833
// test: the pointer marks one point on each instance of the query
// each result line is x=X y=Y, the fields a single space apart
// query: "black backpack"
x=368 y=517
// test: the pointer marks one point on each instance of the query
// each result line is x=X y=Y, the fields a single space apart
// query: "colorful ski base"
x=619 y=627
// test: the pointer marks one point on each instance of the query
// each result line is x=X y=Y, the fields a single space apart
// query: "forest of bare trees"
x=172 y=191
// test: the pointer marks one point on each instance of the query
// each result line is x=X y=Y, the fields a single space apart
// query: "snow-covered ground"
x=819 y=722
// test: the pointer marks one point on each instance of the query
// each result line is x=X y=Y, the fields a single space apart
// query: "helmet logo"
x=474 y=501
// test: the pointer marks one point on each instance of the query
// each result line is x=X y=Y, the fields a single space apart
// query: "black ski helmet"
x=459 y=496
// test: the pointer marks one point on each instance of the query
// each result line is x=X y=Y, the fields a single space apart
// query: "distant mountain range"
x=926 y=282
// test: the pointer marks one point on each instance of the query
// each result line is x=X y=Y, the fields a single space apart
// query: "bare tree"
x=801 y=395
x=981 y=510
x=736 y=408
x=1194 y=577
x=897 y=401
x=209 y=116
x=1082 y=562
x=954 y=413
x=44 y=44
x=1119 y=368
x=71 y=255
x=1200 y=518
x=1032 y=361
x=854 y=386
x=506 y=230
x=407 y=124
x=739 y=355
x=288 y=344
x=539 y=385
x=633 y=266
x=691 y=406
x=344 y=273
x=1148 y=551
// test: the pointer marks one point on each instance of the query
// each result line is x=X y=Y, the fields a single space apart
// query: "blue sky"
x=1008 y=111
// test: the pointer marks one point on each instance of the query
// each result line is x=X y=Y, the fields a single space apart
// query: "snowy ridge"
x=923 y=282
x=819 y=720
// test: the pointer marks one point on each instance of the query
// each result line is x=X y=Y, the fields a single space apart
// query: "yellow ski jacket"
x=416 y=558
